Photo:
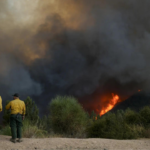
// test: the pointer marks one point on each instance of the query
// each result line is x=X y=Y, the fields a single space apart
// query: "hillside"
x=135 y=102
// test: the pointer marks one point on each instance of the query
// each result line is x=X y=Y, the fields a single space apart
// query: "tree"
x=32 y=112
x=67 y=116
x=98 y=117
x=93 y=115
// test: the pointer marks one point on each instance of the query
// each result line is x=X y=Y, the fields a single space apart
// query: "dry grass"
x=138 y=130
x=147 y=133
x=32 y=131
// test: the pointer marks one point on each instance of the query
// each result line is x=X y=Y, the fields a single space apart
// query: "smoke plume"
x=74 y=47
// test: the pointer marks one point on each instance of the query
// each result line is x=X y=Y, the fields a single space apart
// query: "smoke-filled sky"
x=73 y=47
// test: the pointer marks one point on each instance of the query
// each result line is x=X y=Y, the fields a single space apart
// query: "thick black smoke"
x=76 y=48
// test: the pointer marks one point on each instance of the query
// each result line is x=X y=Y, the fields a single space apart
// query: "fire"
x=113 y=102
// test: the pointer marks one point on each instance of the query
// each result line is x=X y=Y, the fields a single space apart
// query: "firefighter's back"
x=17 y=106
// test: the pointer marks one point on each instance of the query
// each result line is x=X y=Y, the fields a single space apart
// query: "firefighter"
x=0 y=104
x=17 y=115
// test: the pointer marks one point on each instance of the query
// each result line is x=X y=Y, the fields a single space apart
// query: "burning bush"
x=67 y=116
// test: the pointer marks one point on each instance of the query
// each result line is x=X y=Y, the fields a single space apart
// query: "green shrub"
x=67 y=116
x=104 y=127
x=132 y=131
x=109 y=126
x=138 y=130
x=97 y=129
x=131 y=117
x=6 y=115
x=145 y=116
x=6 y=131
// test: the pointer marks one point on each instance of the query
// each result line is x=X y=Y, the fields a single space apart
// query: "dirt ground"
x=69 y=144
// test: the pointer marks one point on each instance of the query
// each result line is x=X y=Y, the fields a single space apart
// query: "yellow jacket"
x=16 y=106
x=0 y=104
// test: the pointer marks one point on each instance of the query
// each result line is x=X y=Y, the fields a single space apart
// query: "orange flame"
x=110 y=106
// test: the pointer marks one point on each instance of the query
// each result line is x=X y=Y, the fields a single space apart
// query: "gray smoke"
x=76 y=47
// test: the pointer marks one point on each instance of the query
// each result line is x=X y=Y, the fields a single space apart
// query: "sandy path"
x=68 y=144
